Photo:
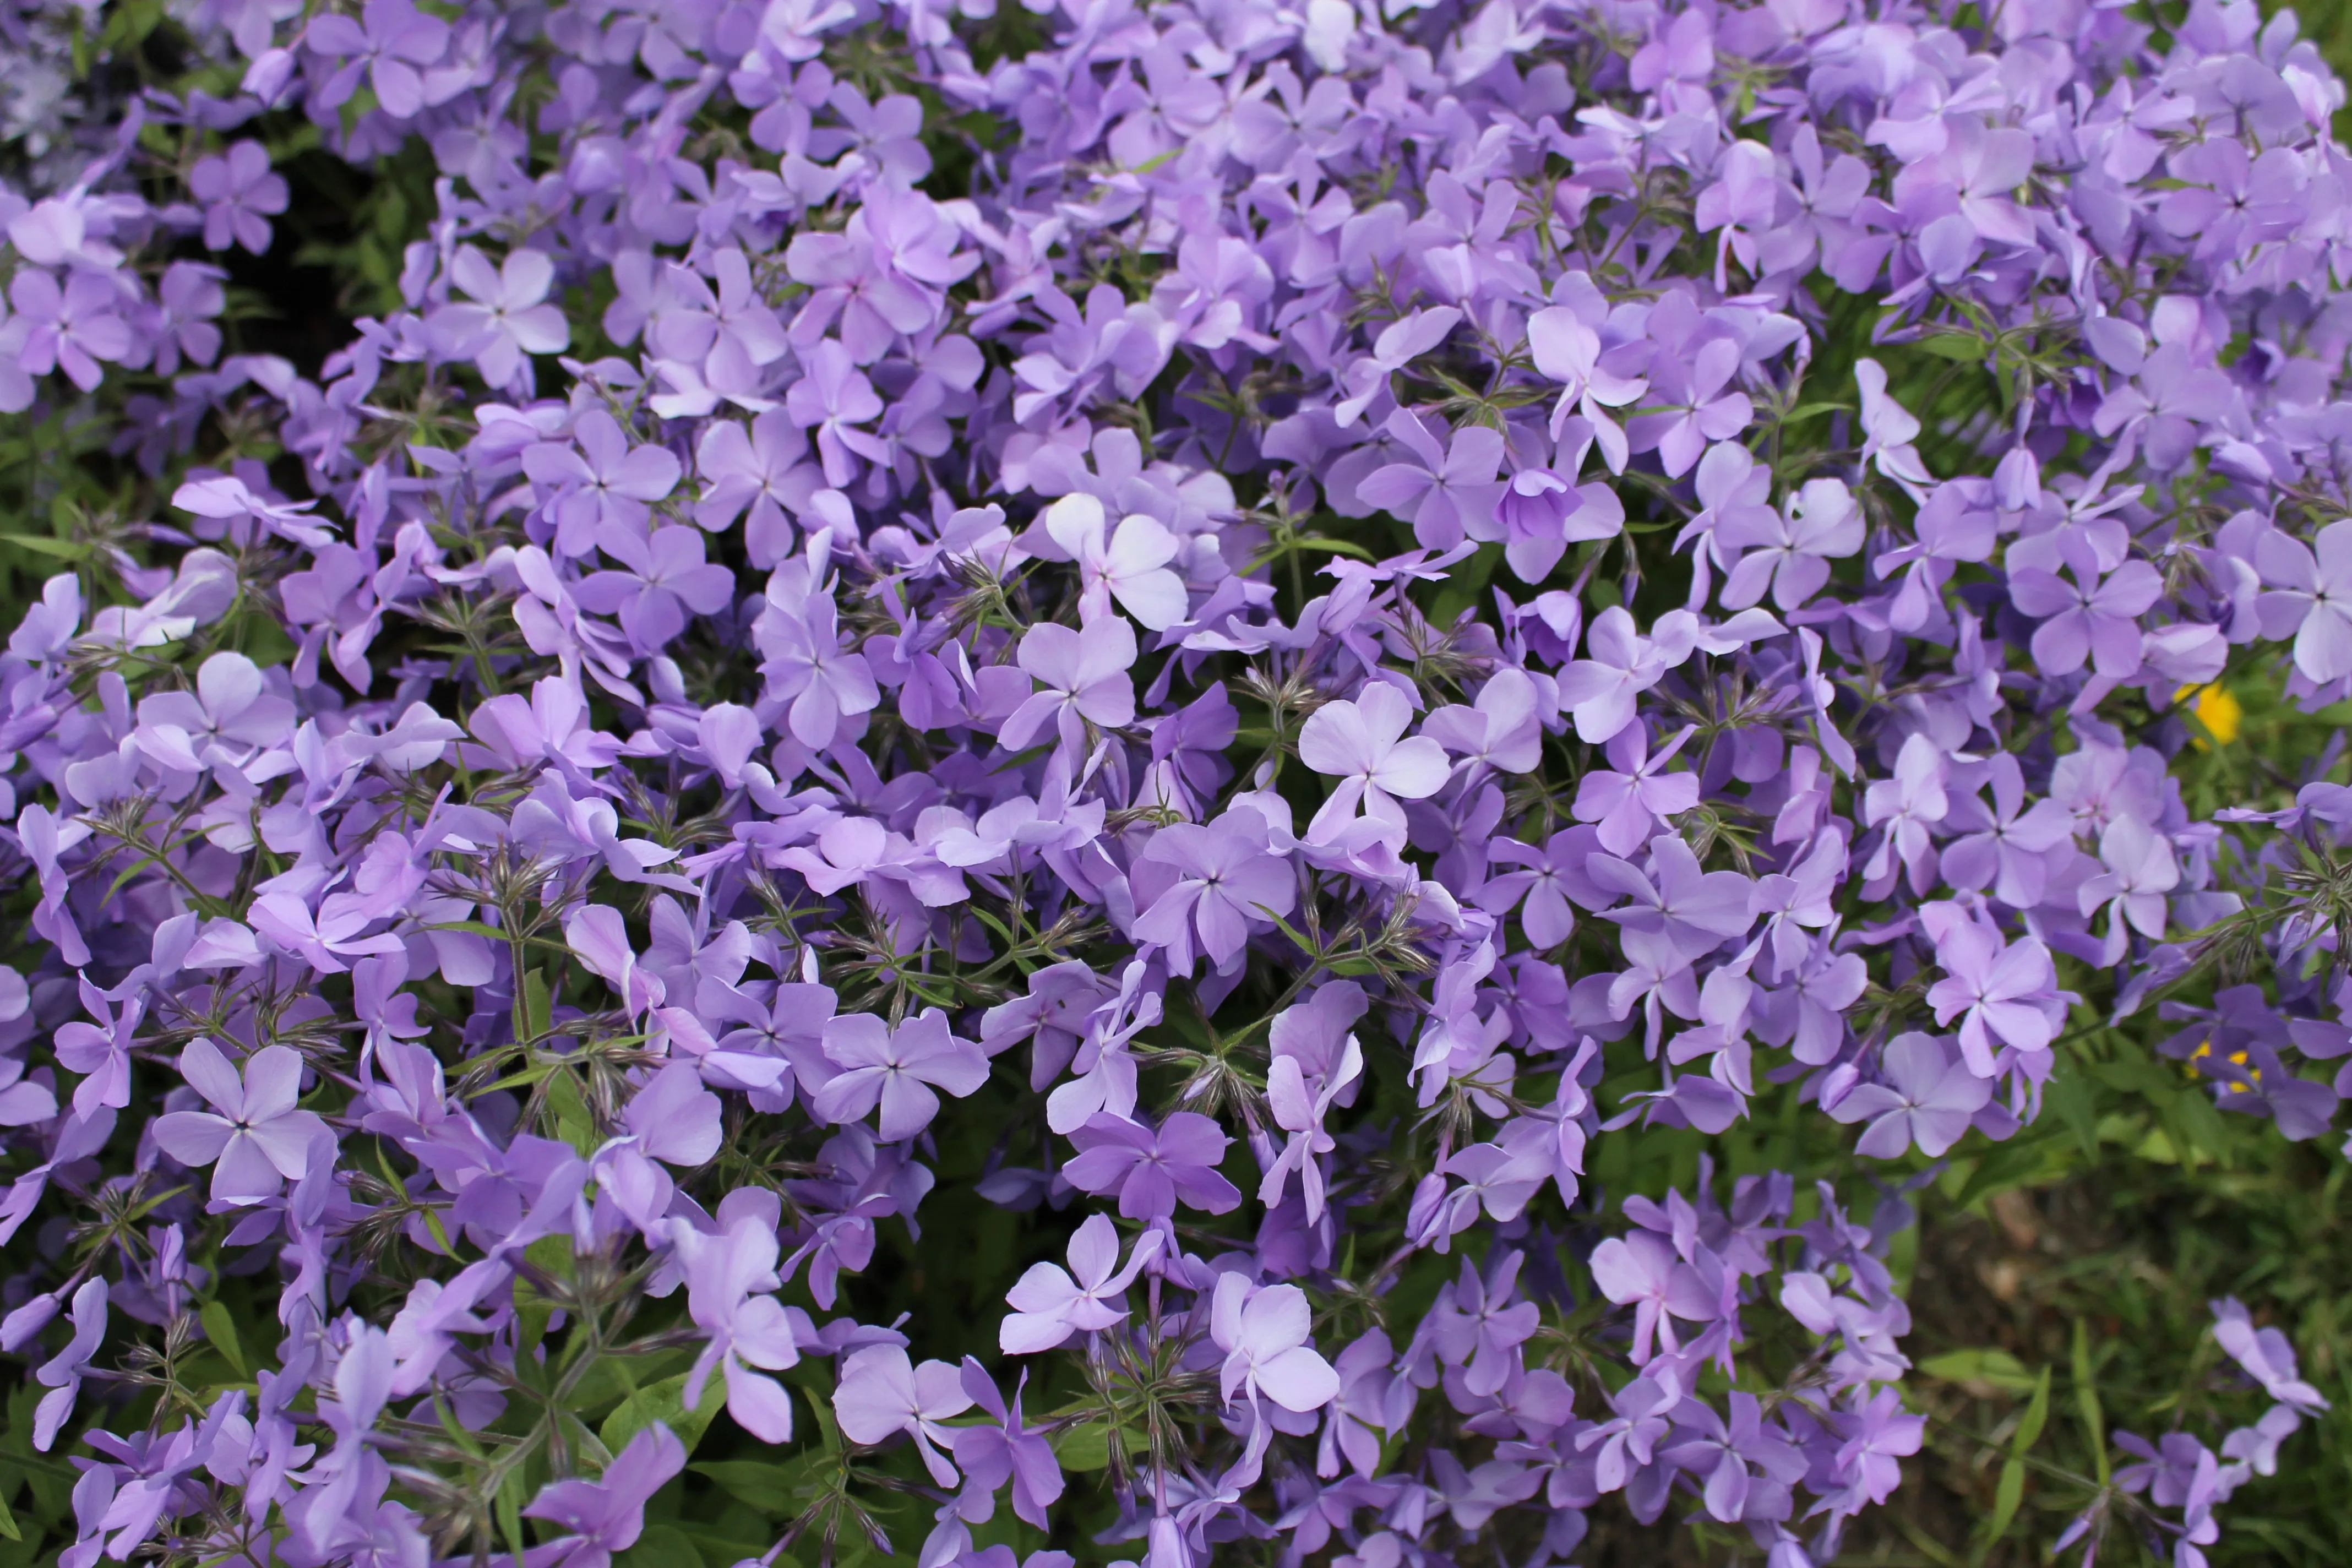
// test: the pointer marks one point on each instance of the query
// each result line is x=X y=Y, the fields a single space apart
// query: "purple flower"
x=881 y=277
x=1888 y=431
x=881 y=1394
x=662 y=579
x=2089 y=617
x=1479 y=1327
x=2312 y=599
x=1153 y=1169
x=1050 y=1303
x=1699 y=408
x=1875 y=1432
x=1129 y=565
x=727 y=1277
x=834 y=399
x=1450 y=494
x=255 y=1138
x=100 y=1054
x=1695 y=910
x=1316 y=1064
x=67 y=328
x=811 y=664
x=1082 y=678
x=1567 y=351
x=62 y=1374
x=674 y=1119
x=1361 y=743
x=1906 y=809
x=1722 y=1451
x=1927 y=1100
x=2006 y=847
x=759 y=475
x=507 y=320
x=1220 y=881
x=2265 y=1354
x=729 y=336
x=1502 y=732
x=2140 y=870
x=1006 y=1449
x=1628 y=800
x=1266 y=1333
x=1550 y=873
x=1642 y=1271
x=1791 y=551
x=601 y=489
x=2004 y=992
x=605 y=1516
x=240 y=196
x=396 y=39
x=1620 y=664
x=896 y=1070
x=1399 y=344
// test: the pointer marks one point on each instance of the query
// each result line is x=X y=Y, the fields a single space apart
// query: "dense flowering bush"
x=1128 y=766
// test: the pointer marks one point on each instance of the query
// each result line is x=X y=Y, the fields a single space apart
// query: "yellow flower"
x=2216 y=710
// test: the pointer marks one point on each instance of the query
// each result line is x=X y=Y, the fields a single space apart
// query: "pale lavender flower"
x=897 y=1070
x=882 y=1393
x=1050 y=1303
x=1363 y=745
x=1927 y=1100
x=254 y=1137
x=1083 y=680
x=1266 y=1333
x=1220 y=881
x=508 y=320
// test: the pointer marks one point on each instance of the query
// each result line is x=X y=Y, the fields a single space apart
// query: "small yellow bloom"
x=2216 y=710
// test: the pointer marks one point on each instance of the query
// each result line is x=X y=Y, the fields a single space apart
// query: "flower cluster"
x=1230 y=638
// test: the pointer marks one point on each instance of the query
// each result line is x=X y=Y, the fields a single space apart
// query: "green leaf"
x=1087 y=1447
x=1330 y=546
x=1292 y=931
x=2037 y=1413
x=2010 y=1491
x=476 y=928
x=538 y=1010
x=2086 y=1397
x=2012 y=1164
x=572 y=1121
x=41 y=543
x=664 y=1402
x=1998 y=1369
x=9 y=1520
x=2068 y=1093
x=1083 y=1447
x=774 y=1490
x=221 y=1330
x=662 y=1546
x=2007 y=1494
x=1954 y=346
x=509 y=1511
